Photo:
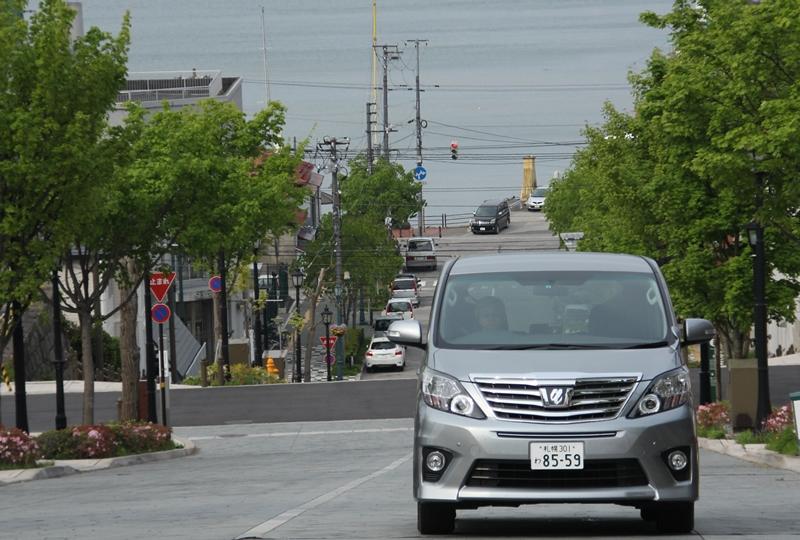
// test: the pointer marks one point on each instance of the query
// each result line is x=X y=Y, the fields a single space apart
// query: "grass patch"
x=750 y=437
x=784 y=443
x=711 y=432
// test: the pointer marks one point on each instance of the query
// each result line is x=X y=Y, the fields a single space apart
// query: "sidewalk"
x=74 y=387
x=67 y=467
x=754 y=453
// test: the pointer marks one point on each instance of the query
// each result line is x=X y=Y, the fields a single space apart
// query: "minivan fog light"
x=435 y=461
x=677 y=460
x=649 y=404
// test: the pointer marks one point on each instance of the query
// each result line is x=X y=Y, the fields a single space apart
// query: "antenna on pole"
x=374 y=94
x=266 y=71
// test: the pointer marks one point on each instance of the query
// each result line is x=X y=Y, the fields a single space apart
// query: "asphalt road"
x=346 y=480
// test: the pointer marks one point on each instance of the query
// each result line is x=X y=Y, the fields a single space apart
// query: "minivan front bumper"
x=639 y=443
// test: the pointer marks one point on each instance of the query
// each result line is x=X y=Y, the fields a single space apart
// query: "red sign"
x=328 y=342
x=215 y=284
x=159 y=284
x=160 y=313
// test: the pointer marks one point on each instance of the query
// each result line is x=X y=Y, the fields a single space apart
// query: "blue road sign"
x=215 y=284
x=160 y=313
x=420 y=173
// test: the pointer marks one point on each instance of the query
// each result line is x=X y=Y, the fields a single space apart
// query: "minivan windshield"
x=486 y=211
x=552 y=309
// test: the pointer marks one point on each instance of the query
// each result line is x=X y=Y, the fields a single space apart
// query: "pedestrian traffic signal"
x=454 y=150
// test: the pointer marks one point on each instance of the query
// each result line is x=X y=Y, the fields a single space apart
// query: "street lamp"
x=297 y=281
x=755 y=236
x=327 y=317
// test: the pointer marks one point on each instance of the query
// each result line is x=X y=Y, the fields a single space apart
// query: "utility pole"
x=389 y=52
x=416 y=43
x=331 y=145
x=370 y=114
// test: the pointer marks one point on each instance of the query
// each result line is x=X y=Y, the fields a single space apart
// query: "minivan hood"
x=464 y=364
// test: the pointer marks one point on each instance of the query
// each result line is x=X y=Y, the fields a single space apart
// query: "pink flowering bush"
x=712 y=419
x=94 y=441
x=17 y=448
x=780 y=419
x=139 y=437
x=103 y=441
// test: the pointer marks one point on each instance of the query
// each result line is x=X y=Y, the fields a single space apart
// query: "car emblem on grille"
x=556 y=397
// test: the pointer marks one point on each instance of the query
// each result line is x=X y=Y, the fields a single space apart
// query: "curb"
x=67 y=467
x=754 y=453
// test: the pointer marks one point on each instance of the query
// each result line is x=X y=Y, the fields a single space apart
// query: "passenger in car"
x=491 y=314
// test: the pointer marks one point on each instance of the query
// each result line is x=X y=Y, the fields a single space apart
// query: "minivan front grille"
x=597 y=473
x=590 y=399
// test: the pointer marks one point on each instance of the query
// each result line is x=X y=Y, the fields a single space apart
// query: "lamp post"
x=755 y=236
x=327 y=317
x=61 y=415
x=297 y=281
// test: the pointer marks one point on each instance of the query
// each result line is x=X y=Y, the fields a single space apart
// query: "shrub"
x=712 y=419
x=96 y=441
x=749 y=437
x=58 y=444
x=784 y=442
x=17 y=448
x=139 y=437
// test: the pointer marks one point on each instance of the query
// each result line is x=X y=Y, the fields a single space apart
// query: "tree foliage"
x=389 y=191
x=712 y=144
x=54 y=97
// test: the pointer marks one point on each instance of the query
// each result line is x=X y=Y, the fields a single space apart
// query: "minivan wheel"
x=675 y=517
x=435 y=518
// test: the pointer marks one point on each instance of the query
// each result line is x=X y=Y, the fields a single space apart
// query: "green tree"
x=368 y=254
x=711 y=145
x=389 y=191
x=55 y=98
x=235 y=182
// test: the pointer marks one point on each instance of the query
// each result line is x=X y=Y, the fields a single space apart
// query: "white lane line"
x=260 y=530
x=301 y=433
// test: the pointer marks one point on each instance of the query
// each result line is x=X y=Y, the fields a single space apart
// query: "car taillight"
x=369 y=353
x=398 y=353
x=430 y=257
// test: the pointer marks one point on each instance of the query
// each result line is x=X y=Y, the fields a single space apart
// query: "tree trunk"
x=88 y=364
x=129 y=352
x=734 y=342
x=218 y=338
x=310 y=323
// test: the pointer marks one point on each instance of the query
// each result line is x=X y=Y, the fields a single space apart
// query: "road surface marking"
x=260 y=530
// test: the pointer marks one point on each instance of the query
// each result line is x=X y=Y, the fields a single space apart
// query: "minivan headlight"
x=666 y=392
x=446 y=394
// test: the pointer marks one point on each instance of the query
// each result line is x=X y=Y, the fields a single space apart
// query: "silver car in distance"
x=554 y=378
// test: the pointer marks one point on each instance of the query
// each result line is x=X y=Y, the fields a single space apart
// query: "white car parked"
x=384 y=353
x=536 y=201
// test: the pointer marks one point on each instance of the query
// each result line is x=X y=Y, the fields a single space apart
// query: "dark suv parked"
x=491 y=216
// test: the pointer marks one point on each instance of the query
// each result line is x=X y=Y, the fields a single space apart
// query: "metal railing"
x=170 y=85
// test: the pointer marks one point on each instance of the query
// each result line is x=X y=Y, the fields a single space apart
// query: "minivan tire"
x=435 y=518
x=675 y=517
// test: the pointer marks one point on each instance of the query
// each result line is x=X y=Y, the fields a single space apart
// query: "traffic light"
x=454 y=150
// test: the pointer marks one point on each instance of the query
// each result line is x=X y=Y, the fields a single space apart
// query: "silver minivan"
x=554 y=378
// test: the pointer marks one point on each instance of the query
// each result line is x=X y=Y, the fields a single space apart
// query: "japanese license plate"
x=556 y=455
x=483 y=228
x=419 y=258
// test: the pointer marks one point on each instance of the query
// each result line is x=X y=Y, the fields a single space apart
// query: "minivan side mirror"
x=697 y=331
x=407 y=332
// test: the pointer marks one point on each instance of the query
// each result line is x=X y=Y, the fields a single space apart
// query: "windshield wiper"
x=546 y=346
x=650 y=345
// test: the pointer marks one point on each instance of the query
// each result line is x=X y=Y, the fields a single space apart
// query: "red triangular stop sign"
x=159 y=284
